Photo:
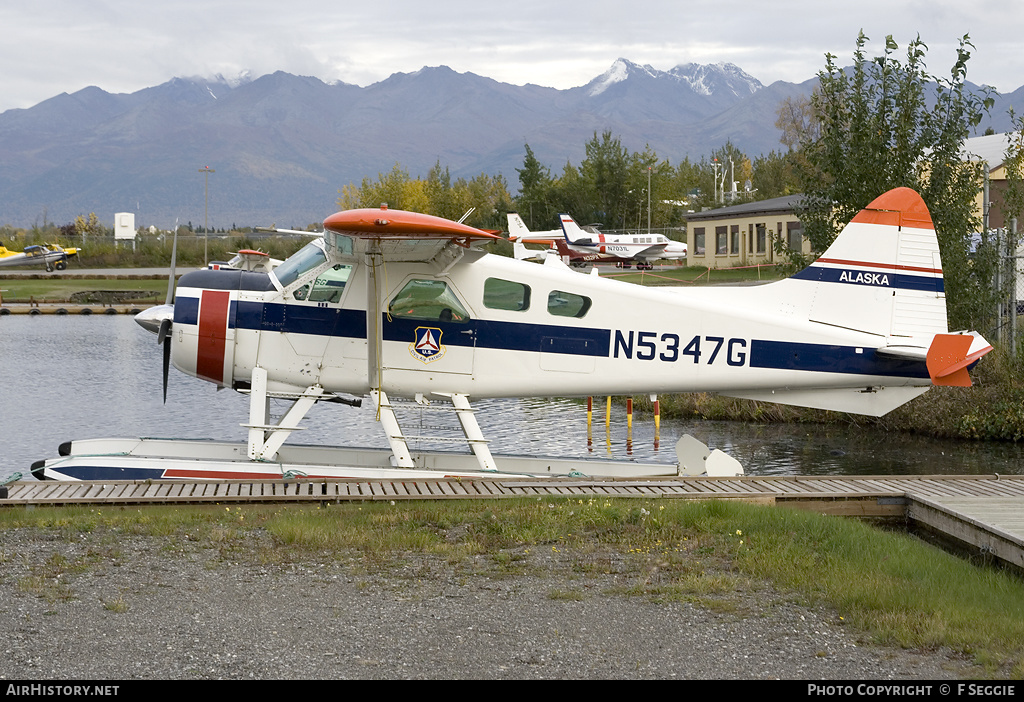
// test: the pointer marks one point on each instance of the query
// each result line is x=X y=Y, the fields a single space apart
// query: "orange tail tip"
x=951 y=354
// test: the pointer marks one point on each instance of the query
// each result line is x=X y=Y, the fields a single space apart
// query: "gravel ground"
x=144 y=608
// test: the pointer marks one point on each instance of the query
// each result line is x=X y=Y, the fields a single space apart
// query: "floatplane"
x=390 y=305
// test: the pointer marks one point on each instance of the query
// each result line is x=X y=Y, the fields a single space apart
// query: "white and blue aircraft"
x=583 y=246
x=390 y=304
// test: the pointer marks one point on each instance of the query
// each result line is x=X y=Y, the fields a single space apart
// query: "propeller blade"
x=174 y=256
x=165 y=328
x=163 y=338
x=167 y=363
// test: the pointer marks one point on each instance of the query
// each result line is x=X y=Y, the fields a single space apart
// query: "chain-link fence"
x=1010 y=282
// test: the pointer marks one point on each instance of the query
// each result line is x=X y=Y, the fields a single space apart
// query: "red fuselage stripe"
x=889 y=266
x=213 y=329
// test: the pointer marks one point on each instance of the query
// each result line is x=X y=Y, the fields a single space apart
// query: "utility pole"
x=648 y=199
x=206 y=219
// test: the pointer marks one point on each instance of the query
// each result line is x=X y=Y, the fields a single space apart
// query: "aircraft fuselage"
x=497 y=327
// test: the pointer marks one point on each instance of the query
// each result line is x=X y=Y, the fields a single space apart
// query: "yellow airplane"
x=51 y=255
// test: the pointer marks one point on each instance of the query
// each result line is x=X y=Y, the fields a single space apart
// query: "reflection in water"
x=75 y=377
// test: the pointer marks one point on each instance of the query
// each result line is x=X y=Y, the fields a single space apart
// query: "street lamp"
x=206 y=219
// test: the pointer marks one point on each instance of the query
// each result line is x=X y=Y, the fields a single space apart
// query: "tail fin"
x=521 y=253
x=883 y=273
x=882 y=276
x=571 y=230
x=516 y=226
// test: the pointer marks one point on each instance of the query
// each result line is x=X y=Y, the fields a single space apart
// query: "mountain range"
x=282 y=146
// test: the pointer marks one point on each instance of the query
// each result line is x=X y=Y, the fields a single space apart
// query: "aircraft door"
x=426 y=329
x=316 y=314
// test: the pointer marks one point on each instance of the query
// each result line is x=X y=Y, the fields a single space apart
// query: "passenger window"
x=432 y=300
x=564 y=304
x=506 y=295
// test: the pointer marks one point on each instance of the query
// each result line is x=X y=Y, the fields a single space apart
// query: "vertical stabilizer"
x=573 y=232
x=883 y=273
x=516 y=227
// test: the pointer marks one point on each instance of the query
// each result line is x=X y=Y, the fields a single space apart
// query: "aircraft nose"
x=151 y=319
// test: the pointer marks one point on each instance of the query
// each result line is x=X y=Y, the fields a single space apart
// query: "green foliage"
x=878 y=129
x=435 y=195
x=623 y=190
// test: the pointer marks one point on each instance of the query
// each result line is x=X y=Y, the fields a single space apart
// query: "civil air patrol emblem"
x=427 y=346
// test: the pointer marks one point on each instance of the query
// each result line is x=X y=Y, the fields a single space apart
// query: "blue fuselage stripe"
x=824 y=358
x=879 y=279
x=549 y=338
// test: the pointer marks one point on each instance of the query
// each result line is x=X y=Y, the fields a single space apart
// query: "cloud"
x=121 y=46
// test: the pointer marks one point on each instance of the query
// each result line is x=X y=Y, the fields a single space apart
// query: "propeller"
x=160 y=319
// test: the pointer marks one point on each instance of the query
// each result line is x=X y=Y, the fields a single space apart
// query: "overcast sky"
x=55 y=46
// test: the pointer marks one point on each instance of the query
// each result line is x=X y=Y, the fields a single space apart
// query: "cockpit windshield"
x=301 y=262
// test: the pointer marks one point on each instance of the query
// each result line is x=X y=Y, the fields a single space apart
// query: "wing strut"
x=265 y=439
x=399 y=441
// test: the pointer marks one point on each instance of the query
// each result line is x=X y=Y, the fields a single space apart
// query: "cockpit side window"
x=328 y=286
x=298 y=264
x=430 y=300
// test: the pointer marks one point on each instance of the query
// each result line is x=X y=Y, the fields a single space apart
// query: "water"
x=73 y=377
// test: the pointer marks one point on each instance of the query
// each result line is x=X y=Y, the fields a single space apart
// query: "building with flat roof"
x=744 y=234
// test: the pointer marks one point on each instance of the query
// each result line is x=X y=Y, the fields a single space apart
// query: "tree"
x=605 y=172
x=435 y=195
x=880 y=129
x=796 y=120
x=535 y=185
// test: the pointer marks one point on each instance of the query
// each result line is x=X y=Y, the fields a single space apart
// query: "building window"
x=721 y=240
x=795 y=236
x=761 y=236
x=734 y=239
x=698 y=241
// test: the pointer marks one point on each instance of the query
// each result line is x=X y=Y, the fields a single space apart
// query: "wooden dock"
x=984 y=513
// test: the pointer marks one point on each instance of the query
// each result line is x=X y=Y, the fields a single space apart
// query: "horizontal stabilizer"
x=950 y=355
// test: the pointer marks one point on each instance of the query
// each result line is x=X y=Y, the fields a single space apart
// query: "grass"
x=890 y=587
x=696 y=275
x=60 y=289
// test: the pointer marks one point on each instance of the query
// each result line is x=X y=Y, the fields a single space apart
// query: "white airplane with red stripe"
x=593 y=246
x=390 y=304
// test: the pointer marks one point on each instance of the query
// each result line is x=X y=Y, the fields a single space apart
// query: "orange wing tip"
x=950 y=355
x=400 y=225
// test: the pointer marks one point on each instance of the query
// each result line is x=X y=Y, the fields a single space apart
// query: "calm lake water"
x=72 y=377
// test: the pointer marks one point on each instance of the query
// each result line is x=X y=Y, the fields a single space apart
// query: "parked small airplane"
x=569 y=256
x=518 y=231
x=50 y=255
x=248 y=260
x=391 y=304
x=622 y=249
